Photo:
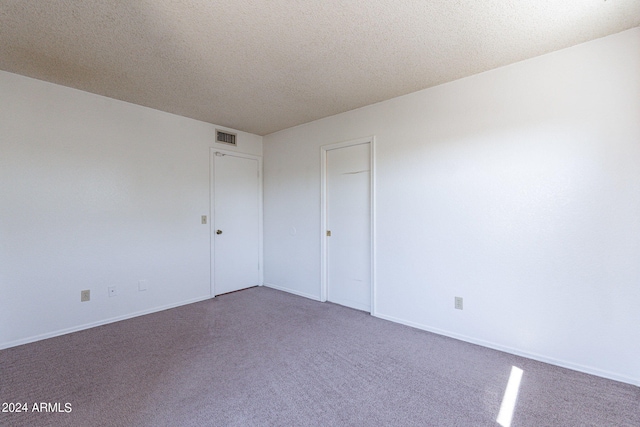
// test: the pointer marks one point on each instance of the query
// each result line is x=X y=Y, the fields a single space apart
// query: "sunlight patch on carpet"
x=510 y=397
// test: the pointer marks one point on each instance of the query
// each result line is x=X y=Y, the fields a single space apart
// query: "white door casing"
x=236 y=225
x=347 y=213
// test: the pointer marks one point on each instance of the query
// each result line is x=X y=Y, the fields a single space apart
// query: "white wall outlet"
x=142 y=284
x=458 y=303
x=112 y=291
x=85 y=295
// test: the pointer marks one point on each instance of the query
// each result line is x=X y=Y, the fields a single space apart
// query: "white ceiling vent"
x=225 y=137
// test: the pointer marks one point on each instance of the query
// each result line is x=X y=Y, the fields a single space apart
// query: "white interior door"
x=348 y=217
x=236 y=223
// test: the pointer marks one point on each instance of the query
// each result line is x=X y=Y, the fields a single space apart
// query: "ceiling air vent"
x=225 y=137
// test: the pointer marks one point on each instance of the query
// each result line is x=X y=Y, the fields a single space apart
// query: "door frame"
x=212 y=219
x=324 y=283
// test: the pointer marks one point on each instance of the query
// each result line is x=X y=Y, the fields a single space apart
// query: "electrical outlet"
x=458 y=303
x=112 y=291
x=204 y=219
x=142 y=284
x=85 y=295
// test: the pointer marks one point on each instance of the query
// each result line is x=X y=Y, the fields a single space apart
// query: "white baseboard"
x=552 y=361
x=292 y=291
x=98 y=323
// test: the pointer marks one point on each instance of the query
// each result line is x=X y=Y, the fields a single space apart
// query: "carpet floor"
x=262 y=357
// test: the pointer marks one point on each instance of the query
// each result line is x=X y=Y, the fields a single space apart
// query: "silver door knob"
x=218 y=231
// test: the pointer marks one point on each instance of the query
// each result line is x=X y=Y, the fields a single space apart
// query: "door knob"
x=218 y=231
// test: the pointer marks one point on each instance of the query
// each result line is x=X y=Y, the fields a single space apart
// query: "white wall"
x=517 y=189
x=96 y=192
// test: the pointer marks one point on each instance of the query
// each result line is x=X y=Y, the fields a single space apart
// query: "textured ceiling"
x=262 y=66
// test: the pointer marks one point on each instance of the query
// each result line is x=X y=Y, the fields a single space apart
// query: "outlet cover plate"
x=85 y=295
x=458 y=303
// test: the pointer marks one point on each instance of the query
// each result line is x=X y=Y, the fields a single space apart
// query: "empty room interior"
x=320 y=213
